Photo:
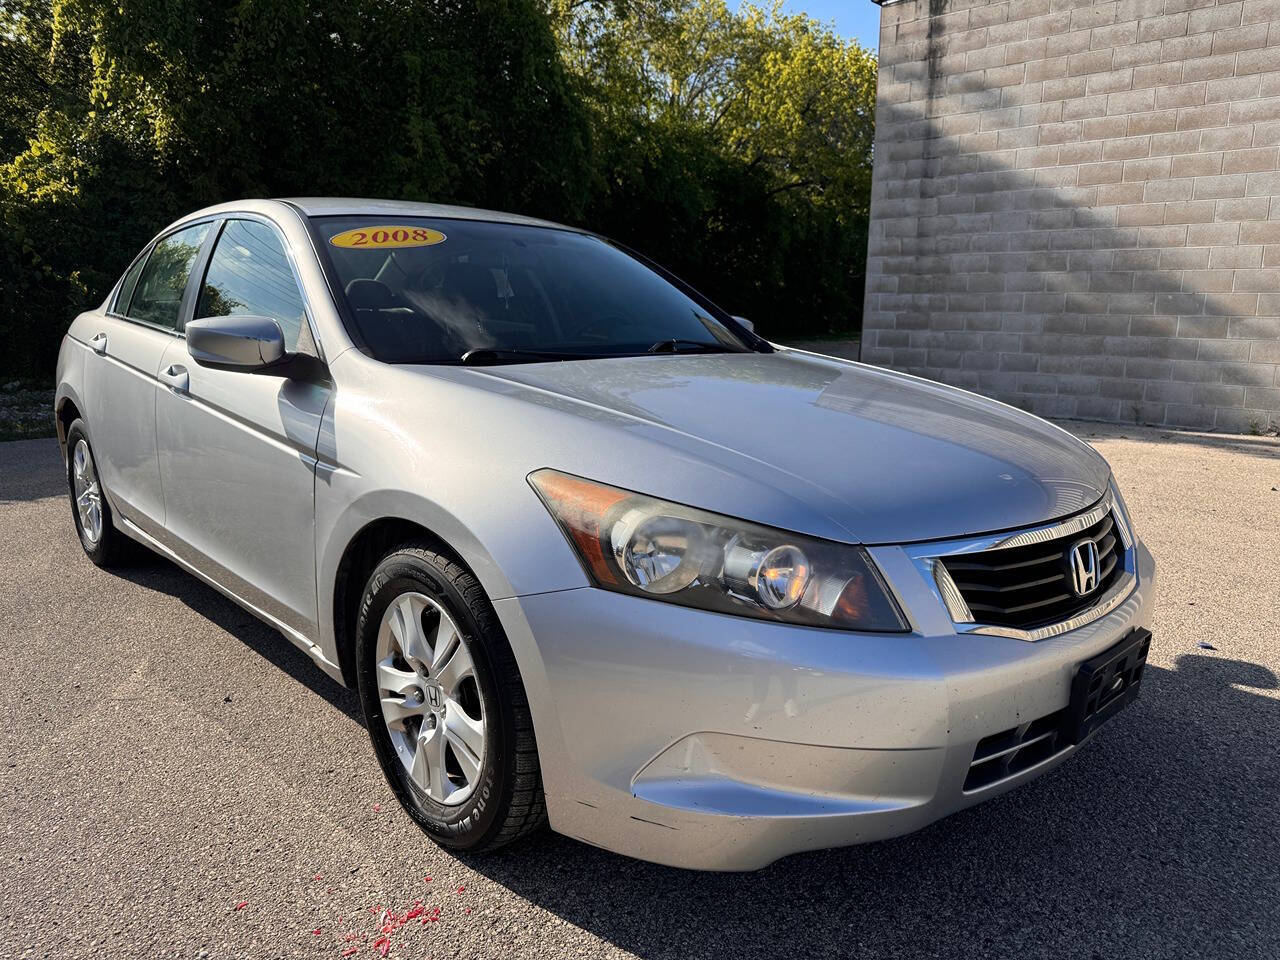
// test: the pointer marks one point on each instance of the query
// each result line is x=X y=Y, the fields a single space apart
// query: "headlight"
x=651 y=548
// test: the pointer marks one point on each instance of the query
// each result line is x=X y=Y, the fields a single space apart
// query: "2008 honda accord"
x=591 y=551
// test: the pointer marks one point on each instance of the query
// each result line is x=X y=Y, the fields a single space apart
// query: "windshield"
x=435 y=291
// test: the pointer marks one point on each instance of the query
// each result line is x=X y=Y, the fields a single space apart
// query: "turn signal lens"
x=580 y=505
x=647 y=547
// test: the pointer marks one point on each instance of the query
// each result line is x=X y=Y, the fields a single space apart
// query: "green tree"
x=737 y=145
x=141 y=111
x=733 y=145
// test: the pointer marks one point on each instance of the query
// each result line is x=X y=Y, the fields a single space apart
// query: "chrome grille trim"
x=1051 y=531
x=951 y=596
x=925 y=557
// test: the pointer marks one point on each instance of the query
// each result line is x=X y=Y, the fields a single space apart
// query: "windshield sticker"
x=384 y=238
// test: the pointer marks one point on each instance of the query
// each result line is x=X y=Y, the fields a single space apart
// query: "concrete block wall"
x=1076 y=206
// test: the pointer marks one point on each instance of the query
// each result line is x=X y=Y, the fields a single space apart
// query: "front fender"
x=340 y=520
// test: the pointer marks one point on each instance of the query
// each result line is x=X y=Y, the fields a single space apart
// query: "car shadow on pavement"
x=153 y=572
x=1158 y=840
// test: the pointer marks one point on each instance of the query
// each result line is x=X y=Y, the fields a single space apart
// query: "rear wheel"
x=95 y=525
x=444 y=703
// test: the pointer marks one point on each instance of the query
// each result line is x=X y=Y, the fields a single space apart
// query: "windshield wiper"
x=676 y=345
x=484 y=356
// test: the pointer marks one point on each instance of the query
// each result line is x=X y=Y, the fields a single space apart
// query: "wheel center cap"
x=433 y=695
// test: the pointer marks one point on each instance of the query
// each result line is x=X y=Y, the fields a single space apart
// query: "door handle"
x=99 y=343
x=176 y=377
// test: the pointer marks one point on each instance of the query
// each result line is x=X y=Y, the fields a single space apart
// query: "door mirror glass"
x=239 y=343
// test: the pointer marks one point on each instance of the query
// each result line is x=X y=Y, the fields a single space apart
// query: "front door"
x=237 y=449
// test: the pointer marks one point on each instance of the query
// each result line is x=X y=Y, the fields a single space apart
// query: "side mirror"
x=239 y=343
x=751 y=327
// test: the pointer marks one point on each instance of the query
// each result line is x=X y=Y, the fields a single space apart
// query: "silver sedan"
x=592 y=552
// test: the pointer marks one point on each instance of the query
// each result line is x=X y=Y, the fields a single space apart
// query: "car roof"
x=357 y=206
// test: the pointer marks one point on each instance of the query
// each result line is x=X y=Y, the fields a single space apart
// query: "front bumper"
x=713 y=742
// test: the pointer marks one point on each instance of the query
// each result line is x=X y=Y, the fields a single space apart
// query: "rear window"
x=426 y=290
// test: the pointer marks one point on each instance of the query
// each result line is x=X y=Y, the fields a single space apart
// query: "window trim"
x=114 y=300
x=226 y=218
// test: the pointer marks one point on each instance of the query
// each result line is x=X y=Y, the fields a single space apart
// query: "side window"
x=127 y=285
x=249 y=274
x=157 y=298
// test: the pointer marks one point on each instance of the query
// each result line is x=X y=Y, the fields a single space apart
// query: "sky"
x=859 y=19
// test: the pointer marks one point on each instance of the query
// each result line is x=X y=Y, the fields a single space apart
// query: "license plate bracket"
x=1105 y=684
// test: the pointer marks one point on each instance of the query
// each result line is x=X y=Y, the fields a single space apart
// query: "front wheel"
x=444 y=703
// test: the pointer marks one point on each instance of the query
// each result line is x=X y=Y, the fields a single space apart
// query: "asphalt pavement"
x=178 y=781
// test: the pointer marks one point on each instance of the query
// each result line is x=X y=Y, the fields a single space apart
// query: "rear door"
x=236 y=449
x=128 y=344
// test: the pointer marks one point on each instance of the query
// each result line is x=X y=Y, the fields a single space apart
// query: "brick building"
x=1076 y=206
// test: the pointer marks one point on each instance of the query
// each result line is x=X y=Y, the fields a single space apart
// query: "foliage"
x=734 y=147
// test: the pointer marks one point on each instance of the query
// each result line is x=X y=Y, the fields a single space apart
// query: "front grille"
x=1011 y=751
x=1028 y=587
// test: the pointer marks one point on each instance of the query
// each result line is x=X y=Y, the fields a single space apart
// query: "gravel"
x=178 y=781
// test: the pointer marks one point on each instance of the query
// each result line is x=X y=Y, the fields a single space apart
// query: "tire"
x=102 y=542
x=466 y=798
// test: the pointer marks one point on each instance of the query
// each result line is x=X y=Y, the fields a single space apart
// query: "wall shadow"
x=1071 y=254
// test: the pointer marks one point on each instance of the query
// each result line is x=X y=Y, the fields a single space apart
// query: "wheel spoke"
x=453 y=665
x=396 y=710
x=406 y=625
x=442 y=642
x=440 y=785
x=392 y=678
x=466 y=735
x=421 y=769
x=89 y=499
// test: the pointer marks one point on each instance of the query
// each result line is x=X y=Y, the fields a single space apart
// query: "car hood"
x=890 y=458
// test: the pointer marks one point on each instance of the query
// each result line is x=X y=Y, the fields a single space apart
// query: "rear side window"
x=157 y=298
x=249 y=275
x=127 y=285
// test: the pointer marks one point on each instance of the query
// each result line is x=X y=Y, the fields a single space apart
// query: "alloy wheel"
x=430 y=698
x=88 y=492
